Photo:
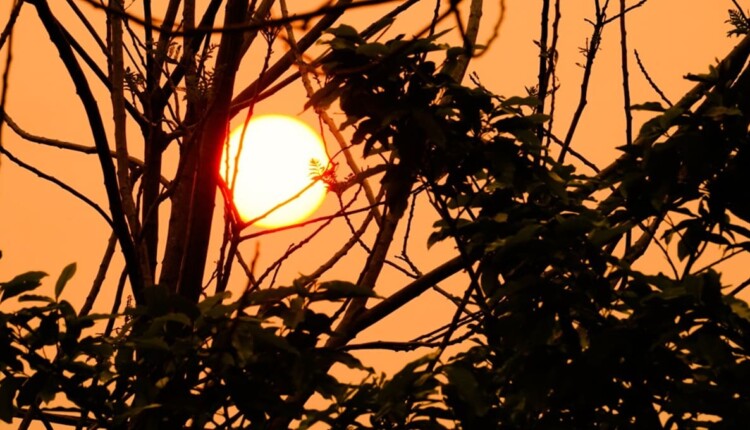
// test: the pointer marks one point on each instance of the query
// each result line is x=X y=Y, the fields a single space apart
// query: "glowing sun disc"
x=274 y=166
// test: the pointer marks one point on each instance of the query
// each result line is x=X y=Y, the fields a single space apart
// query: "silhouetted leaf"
x=649 y=106
x=65 y=276
x=20 y=284
x=334 y=290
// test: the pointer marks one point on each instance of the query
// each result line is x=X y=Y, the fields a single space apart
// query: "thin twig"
x=626 y=95
x=7 y=34
x=543 y=75
x=651 y=81
x=100 y=275
x=495 y=30
x=404 y=253
x=89 y=27
x=61 y=144
x=739 y=9
x=339 y=8
x=86 y=96
x=117 y=98
x=738 y=289
x=57 y=182
x=553 y=58
x=282 y=66
x=628 y=9
x=116 y=304
x=590 y=51
x=8 y=29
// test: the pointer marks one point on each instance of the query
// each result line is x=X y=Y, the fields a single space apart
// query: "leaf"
x=35 y=298
x=65 y=276
x=349 y=361
x=333 y=290
x=739 y=307
x=467 y=388
x=602 y=236
x=324 y=96
x=214 y=300
x=295 y=314
x=648 y=106
x=270 y=295
x=146 y=344
x=345 y=31
x=530 y=101
x=173 y=317
x=372 y=50
x=8 y=388
x=135 y=411
x=20 y=284
x=720 y=112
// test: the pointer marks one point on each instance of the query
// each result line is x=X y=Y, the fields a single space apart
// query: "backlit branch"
x=100 y=139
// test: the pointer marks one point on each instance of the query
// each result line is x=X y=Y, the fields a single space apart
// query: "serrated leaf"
x=20 y=284
x=64 y=277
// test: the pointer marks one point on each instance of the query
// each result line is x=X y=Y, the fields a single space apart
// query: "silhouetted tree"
x=560 y=328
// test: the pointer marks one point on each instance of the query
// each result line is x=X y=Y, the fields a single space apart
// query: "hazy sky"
x=44 y=228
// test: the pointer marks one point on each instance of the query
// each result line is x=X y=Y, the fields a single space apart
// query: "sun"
x=275 y=166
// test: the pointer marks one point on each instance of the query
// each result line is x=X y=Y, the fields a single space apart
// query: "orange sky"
x=43 y=228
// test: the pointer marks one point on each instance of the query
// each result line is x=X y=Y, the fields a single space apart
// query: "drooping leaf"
x=64 y=277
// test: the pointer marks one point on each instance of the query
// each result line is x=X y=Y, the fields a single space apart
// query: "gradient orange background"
x=44 y=228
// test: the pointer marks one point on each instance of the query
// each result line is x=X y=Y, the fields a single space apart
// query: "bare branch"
x=75 y=147
x=100 y=138
x=339 y=8
x=590 y=51
x=57 y=182
x=100 y=275
x=651 y=81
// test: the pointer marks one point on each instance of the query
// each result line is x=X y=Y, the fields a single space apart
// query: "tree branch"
x=100 y=139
